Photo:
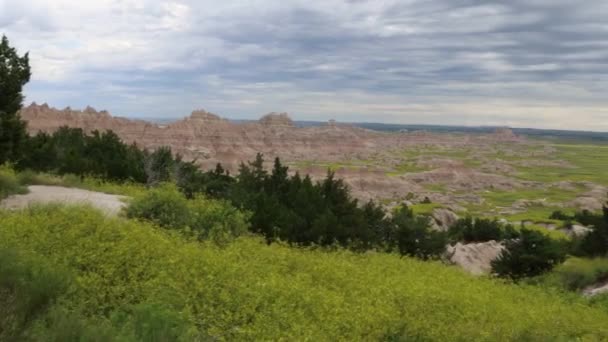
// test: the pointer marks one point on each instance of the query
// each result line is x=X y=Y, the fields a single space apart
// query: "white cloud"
x=523 y=63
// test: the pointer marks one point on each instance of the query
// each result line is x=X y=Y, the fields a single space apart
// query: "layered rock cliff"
x=210 y=139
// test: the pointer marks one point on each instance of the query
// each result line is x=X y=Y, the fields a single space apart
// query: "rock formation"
x=475 y=258
x=210 y=139
x=276 y=119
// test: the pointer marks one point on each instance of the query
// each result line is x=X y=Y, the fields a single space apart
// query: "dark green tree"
x=595 y=244
x=479 y=230
x=14 y=74
x=160 y=166
x=413 y=236
x=529 y=255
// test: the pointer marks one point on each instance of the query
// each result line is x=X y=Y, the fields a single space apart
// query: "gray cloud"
x=539 y=63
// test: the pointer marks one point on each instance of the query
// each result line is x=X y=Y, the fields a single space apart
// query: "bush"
x=576 y=274
x=132 y=274
x=595 y=244
x=164 y=206
x=216 y=220
x=204 y=218
x=415 y=238
x=480 y=230
x=9 y=183
x=28 y=286
x=530 y=255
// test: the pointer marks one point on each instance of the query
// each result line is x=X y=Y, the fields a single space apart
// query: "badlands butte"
x=497 y=175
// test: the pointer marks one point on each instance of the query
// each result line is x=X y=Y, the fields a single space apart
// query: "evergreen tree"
x=595 y=244
x=413 y=236
x=14 y=74
x=159 y=166
x=530 y=255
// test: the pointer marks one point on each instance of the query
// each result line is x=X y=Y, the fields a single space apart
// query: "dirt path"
x=109 y=204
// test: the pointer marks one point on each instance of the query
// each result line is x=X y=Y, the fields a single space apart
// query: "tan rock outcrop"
x=475 y=258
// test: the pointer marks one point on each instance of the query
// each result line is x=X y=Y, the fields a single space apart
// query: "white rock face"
x=576 y=231
x=444 y=218
x=596 y=290
x=475 y=258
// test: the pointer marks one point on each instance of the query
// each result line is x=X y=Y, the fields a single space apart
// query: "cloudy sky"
x=523 y=63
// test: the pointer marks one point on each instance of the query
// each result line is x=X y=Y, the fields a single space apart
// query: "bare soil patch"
x=109 y=204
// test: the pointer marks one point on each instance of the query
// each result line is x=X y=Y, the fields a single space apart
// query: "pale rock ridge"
x=209 y=139
x=202 y=115
x=276 y=119
x=475 y=258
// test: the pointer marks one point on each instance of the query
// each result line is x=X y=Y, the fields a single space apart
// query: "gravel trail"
x=109 y=204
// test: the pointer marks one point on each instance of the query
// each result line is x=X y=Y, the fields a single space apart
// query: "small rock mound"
x=475 y=258
x=277 y=119
x=576 y=231
x=596 y=290
x=504 y=134
x=444 y=218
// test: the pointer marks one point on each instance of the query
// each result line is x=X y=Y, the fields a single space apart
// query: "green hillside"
x=126 y=276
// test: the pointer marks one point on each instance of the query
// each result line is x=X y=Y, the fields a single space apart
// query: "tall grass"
x=9 y=183
x=576 y=274
x=252 y=291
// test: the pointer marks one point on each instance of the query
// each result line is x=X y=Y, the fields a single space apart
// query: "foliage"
x=529 y=255
x=202 y=217
x=214 y=183
x=295 y=209
x=480 y=230
x=575 y=274
x=9 y=183
x=159 y=166
x=415 y=238
x=71 y=151
x=27 y=288
x=14 y=74
x=164 y=206
x=252 y=291
x=595 y=243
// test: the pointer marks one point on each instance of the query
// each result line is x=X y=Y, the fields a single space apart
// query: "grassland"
x=252 y=291
x=589 y=163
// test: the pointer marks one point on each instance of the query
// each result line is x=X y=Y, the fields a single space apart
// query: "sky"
x=519 y=63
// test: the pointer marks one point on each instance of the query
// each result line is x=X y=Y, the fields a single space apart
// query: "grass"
x=588 y=161
x=253 y=291
x=575 y=274
x=425 y=208
x=549 y=194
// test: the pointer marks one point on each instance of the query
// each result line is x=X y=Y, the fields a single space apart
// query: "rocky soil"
x=475 y=258
x=109 y=204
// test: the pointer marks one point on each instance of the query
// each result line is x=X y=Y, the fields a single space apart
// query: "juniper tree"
x=14 y=74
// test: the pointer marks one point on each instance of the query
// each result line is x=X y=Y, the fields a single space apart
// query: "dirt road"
x=109 y=204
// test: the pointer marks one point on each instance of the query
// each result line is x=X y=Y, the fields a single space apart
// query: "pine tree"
x=14 y=74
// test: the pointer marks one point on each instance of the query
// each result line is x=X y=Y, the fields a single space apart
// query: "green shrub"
x=28 y=286
x=415 y=238
x=529 y=255
x=253 y=291
x=576 y=274
x=216 y=220
x=595 y=243
x=9 y=183
x=480 y=230
x=164 y=206
x=204 y=218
